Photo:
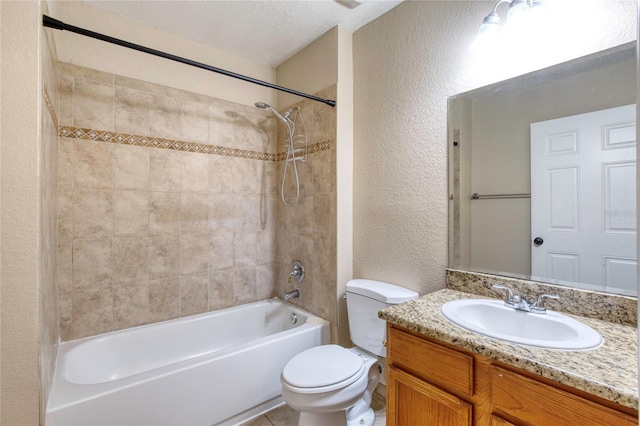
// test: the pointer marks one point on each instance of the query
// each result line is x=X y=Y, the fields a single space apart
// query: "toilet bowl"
x=332 y=385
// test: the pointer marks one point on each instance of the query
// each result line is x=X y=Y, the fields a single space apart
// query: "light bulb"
x=488 y=32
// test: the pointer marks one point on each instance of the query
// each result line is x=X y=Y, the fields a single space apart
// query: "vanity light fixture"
x=519 y=12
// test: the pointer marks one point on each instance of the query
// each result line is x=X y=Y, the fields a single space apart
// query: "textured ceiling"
x=264 y=31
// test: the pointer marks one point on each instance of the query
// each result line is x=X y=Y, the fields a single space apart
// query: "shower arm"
x=49 y=22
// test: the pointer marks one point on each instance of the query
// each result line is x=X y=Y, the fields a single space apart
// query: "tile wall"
x=166 y=203
x=307 y=231
x=169 y=204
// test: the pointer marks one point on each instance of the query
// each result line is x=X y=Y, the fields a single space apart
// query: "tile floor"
x=285 y=416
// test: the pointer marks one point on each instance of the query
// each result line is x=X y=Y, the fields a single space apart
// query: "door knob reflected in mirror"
x=538 y=241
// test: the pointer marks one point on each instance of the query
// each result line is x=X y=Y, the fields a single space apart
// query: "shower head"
x=263 y=105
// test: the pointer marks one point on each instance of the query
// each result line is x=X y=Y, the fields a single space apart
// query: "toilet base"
x=337 y=418
x=365 y=419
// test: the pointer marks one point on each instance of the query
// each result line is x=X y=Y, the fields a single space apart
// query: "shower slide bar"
x=477 y=196
x=49 y=22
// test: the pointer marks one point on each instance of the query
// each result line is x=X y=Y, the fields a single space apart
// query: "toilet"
x=332 y=386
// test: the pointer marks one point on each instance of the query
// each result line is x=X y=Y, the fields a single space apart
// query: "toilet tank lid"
x=381 y=291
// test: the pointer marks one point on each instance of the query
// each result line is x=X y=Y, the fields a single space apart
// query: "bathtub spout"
x=294 y=294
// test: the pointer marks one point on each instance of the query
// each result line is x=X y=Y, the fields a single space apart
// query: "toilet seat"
x=322 y=369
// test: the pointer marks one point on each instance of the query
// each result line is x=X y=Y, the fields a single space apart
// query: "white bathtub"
x=222 y=367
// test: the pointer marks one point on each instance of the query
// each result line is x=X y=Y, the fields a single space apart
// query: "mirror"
x=579 y=206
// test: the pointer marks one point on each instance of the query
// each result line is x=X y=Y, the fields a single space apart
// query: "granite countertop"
x=609 y=372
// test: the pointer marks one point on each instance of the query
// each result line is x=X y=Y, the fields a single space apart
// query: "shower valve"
x=297 y=272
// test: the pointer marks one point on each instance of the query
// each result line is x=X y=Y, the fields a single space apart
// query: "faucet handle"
x=509 y=297
x=538 y=305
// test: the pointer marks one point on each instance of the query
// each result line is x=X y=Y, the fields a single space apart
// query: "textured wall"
x=20 y=104
x=407 y=63
x=150 y=233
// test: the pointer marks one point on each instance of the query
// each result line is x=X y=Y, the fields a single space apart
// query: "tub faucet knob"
x=297 y=272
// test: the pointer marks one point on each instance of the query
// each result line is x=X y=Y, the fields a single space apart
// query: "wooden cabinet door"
x=497 y=421
x=536 y=403
x=412 y=402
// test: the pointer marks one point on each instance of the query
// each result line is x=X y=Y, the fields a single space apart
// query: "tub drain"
x=293 y=318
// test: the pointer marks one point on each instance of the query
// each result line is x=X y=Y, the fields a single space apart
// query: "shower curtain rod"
x=49 y=22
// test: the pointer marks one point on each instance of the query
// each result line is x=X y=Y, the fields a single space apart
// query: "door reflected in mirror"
x=542 y=175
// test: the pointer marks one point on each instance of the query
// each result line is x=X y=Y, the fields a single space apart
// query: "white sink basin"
x=550 y=330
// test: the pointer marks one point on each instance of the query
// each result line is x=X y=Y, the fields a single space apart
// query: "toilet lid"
x=322 y=366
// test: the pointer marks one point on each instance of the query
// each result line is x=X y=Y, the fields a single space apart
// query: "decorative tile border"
x=52 y=111
x=153 y=142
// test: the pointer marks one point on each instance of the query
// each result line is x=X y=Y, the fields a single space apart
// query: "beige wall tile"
x=164 y=256
x=65 y=100
x=221 y=251
x=85 y=73
x=194 y=294
x=164 y=299
x=92 y=214
x=247 y=213
x=92 y=263
x=130 y=305
x=245 y=177
x=93 y=105
x=221 y=212
x=194 y=254
x=130 y=167
x=221 y=174
x=268 y=212
x=65 y=213
x=265 y=248
x=322 y=220
x=187 y=232
x=269 y=182
x=244 y=286
x=322 y=172
x=305 y=176
x=220 y=290
x=266 y=276
x=65 y=289
x=224 y=124
x=244 y=250
x=164 y=117
x=130 y=213
x=194 y=172
x=65 y=162
x=302 y=217
x=92 y=164
x=131 y=111
x=194 y=122
x=92 y=311
x=324 y=124
x=130 y=259
x=194 y=208
x=164 y=170
x=164 y=213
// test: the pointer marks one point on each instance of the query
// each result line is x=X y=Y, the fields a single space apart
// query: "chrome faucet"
x=293 y=294
x=297 y=272
x=518 y=302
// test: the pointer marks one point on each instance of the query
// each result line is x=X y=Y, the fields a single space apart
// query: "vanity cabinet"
x=432 y=383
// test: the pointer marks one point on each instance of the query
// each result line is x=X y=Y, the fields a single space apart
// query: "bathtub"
x=221 y=367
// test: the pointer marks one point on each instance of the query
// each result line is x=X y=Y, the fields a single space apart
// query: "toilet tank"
x=364 y=299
